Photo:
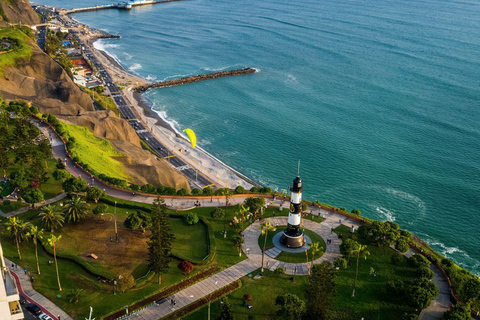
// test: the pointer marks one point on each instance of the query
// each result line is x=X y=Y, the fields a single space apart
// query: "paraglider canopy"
x=191 y=136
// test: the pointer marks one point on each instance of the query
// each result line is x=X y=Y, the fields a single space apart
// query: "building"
x=80 y=80
x=9 y=298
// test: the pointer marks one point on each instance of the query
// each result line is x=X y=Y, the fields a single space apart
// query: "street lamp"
x=115 y=219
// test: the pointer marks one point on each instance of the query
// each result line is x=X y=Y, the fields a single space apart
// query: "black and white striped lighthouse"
x=292 y=236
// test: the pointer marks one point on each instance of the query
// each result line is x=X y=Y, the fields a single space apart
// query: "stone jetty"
x=191 y=79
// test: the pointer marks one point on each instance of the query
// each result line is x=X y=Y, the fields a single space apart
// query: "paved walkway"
x=24 y=286
x=38 y=205
x=254 y=262
x=440 y=304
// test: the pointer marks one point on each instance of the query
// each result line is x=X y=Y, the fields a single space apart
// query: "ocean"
x=379 y=100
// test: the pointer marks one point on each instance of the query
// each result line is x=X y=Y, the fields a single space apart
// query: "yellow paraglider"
x=191 y=136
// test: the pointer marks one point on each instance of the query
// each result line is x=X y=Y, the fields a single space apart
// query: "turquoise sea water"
x=379 y=99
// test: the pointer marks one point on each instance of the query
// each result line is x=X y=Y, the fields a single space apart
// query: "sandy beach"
x=197 y=158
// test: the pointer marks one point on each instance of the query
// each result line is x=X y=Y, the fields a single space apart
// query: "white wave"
x=410 y=197
x=387 y=214
x=257 y=70
x=291 y=78
x=102 y=46
x=135 y=67
x=128 y=56
x=151 y=78
x=221 y=69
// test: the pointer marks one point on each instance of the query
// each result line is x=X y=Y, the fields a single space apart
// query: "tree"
x=52 y=242
x=4 y=160
x=347 y=247
x=360 y=250
x=225 y=193
x=182 y=192
x=381 y=233
x=471 y=289
x=33 y=196
x=185 y=266
x=320 y=291
x=160 y=244
x=51 y=217
x=138 y=220
x=95 y=193
x=76 y=209
x=402 y=246
x=208 y=191
x=265 y=227
x=101 y=208
x=36 y=234
x=418 y=261
x=61 y=174
x=74 y=185
x=75 y=295
x=66 y=63
x=255 y=204
x=19 y=230
x=191 y=218
x=458 y=312
x=239 y=190
x=20 y=178
x=226 y=310
x=125 y=283
x=197 y=192
x=291 y=307
x=148 y=188
x=237 y=243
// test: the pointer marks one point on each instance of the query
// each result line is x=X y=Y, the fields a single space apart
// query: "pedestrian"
x=171 y=301
x=58 y=317
x=16 y=266
x=174 y=303
x=25 y=270
x=340 y=221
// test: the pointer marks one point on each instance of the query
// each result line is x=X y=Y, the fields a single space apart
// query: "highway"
x=195 y=179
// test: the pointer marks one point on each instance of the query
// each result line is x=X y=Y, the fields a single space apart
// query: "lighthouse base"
x=292 y=242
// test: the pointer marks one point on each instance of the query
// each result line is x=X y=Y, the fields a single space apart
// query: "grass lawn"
x=98 y=154
x=263 y=291
x=23 y=51
x=371 y=299
x=190 y=240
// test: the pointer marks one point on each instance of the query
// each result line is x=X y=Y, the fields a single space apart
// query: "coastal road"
x=195 y=179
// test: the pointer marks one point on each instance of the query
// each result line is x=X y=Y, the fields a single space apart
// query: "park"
x=84 y=248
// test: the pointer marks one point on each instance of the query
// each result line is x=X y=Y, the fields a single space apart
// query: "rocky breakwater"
x=191 y=79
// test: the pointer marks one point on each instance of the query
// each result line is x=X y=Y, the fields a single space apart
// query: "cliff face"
x=17 y=11
x=43 y=82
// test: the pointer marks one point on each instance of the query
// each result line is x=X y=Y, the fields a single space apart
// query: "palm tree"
x=36 y=234
x=76 y=209
x=52 y=242
x=359 y=250
x=19 y=230
x=75 y=295
x=237 y=242
x=51 y=217
x=316 y=248
x=241 y=212
x=265 y=227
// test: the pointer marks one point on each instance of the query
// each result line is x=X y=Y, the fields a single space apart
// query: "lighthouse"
x=292 y=236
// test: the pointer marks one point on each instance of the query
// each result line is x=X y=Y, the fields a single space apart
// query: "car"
x=44 y=316
x=23 y=300
x=32 y=307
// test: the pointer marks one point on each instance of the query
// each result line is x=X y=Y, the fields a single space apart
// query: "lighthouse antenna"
x=298 y=172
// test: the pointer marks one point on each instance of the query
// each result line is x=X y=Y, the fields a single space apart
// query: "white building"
x=80 y=80
x=9 y=299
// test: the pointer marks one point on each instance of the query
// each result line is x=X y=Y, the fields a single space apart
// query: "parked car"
x=23 y=300
x=33 y=308
x=44 y=316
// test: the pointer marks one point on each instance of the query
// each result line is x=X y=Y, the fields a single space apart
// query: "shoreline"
x=221 y=174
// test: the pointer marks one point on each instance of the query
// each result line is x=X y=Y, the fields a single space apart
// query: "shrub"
x=134 y=187
x=280 y=270
x=409 y=316
x=217 y=213
x=239 y=190
x=60 y=174
x=395 y=288
x=185 y=266
x=254 y=190
x=182 y=192
x=34 y=110
x=148 y=188
x=343 y=209
x=266 y=190
x=101 y=208
x=402 y=246
x=417 y=261
x=208 y=191
x=424 y=272
x=340 y=263
x=191 y=218
x=248 y=297
x=125 y=283
x=171 y=191
x=304 y=207
x=197 y=191
x=356 y=212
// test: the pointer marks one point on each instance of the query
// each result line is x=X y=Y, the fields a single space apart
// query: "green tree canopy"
x=291 y=307
x=33 y=196
x=95 y=194
x=76 y=209
x=320 y=291
x=255 y=203
x=75 y=185
x=51 y=217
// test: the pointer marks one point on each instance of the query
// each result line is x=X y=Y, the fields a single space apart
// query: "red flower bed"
x=197 y=304
x=167 y=292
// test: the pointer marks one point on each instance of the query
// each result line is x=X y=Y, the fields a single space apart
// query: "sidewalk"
x=24 y=286
x=39 y=205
